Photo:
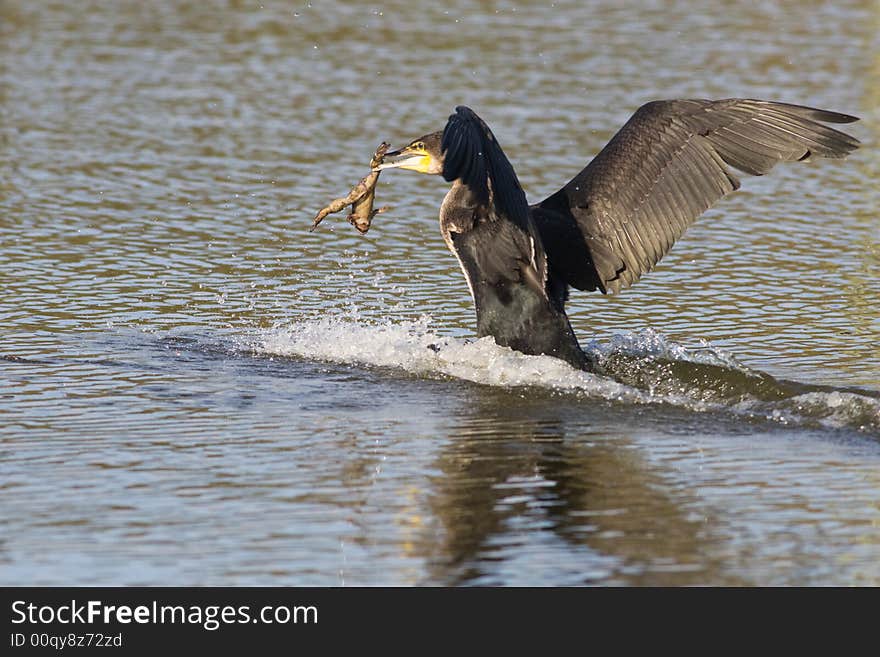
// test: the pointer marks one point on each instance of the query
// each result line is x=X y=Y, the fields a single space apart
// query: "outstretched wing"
x=667 y=165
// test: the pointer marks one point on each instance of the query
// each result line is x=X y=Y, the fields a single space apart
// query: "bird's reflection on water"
x=518 y=476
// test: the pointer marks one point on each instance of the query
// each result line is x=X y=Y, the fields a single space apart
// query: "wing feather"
x=667 y=165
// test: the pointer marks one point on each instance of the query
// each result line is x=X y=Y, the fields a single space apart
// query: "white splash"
x=649 y=342
x=414 y=347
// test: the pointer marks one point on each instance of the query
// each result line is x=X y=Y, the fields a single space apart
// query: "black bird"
x=614 y=220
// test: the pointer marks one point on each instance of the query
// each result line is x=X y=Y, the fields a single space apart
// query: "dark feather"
x=473 y=156
x=664 y=168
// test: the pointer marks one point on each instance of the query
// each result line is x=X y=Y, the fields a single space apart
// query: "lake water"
x=194 y=389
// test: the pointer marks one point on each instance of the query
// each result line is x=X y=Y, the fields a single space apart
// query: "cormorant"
x=614 y=220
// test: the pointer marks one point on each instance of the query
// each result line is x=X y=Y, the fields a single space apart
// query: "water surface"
x=194 y=389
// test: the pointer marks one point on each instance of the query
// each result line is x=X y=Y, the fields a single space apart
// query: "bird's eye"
x=420 y=145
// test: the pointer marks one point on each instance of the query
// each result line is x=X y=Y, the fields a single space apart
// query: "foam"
x=414 y=347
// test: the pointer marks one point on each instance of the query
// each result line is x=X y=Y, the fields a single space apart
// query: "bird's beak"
x=405 y=158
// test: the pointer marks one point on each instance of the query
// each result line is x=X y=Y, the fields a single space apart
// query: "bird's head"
x=422 y=155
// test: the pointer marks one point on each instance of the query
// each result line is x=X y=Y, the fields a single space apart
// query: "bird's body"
x=614 y=220
x=507 y=280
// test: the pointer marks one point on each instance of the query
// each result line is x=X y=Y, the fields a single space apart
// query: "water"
x=196 y=390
